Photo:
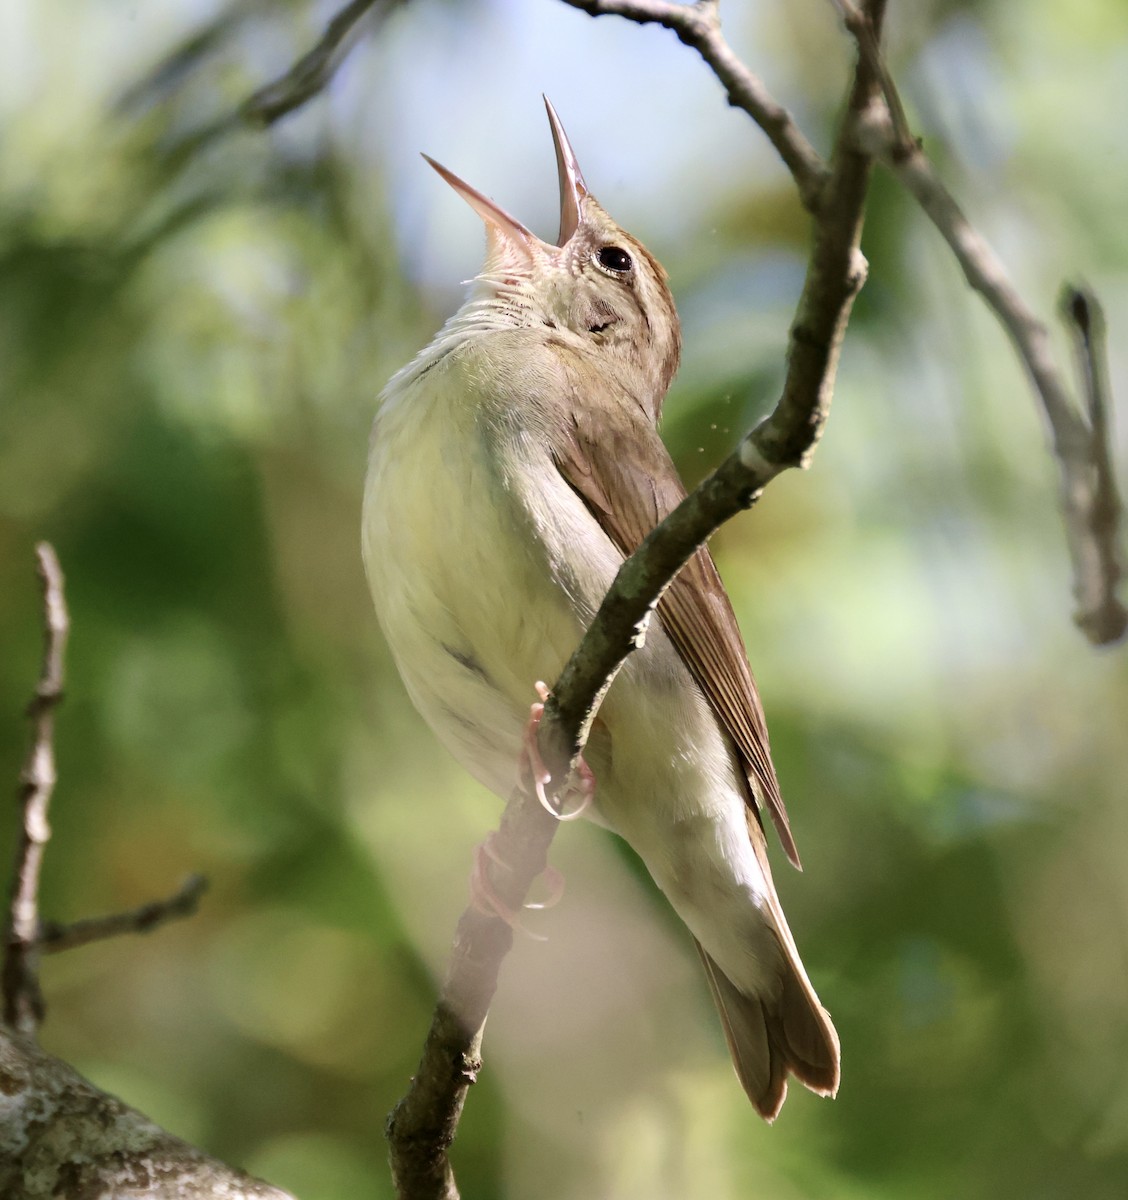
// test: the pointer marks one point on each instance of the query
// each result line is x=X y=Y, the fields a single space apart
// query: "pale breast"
x=458 y=572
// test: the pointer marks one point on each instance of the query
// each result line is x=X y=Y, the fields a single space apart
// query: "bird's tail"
x=769 y=1038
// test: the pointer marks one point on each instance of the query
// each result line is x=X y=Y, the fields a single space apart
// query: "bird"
x=513 y=465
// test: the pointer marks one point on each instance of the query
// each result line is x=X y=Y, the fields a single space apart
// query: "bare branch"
x=859 y=26
x=62 y=1136
x=296 y=86
x=55 y=937
x=1103 y=617
x=19 y=980
x=699 y=26
x=27 y=936
x=423 y=1124
x=1089 y=498
x=309 y=75
x=170 y=71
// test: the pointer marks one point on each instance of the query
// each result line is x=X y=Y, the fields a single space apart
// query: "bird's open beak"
x=572 y=186
x=504 y=231
x=507 y=236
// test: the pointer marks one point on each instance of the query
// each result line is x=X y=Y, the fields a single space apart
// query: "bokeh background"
x=193 y=333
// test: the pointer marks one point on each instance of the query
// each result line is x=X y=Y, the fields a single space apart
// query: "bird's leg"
x=535 y=774
x=533 y=768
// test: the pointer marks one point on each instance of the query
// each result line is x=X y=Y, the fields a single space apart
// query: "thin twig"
x=1089 y=498
x=309 y=75
x=296 y=86
x=63 y=1137
x=55 y=936
x=860 y=28
x=699 y=26
x=1104 y=619
x=422 y=1126
x=186 y=57
x=19 y=980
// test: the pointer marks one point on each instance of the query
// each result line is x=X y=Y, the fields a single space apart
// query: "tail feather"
x=770 y=1038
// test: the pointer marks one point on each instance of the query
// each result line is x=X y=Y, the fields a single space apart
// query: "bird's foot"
x=484 y=899
x=535 y=772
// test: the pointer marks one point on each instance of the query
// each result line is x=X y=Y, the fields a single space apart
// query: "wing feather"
x=626 y=478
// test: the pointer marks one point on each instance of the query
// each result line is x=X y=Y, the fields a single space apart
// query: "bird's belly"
x=463 y=593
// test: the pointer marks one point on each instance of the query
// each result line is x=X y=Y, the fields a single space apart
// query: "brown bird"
x=514 y=464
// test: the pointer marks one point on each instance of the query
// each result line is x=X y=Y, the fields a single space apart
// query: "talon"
x=583 y=781
x=485 y=900
x=534 y=770
x=554 y=881
x=532 y=765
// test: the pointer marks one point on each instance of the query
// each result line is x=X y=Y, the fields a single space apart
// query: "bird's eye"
x=615 y=258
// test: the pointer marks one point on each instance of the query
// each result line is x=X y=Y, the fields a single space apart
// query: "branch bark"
x=422 y=1126
x=62 y=1136
x=59 y=1134
x=699 y=26
x=1078 y=435
x=304 y=79
x=55 y=936
x=19 y=980
x=310 y=74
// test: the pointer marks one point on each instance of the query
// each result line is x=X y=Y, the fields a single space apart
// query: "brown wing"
x=623 y=473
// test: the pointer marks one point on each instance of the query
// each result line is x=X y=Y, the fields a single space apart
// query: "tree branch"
x=62 y=1136
x=187 y=56
x=1089 y=498
x=59 y=1134
x=422 y=1126
x=55 y=936
x=699 y=26
x=1100 y=613
x=19 y=980
x=309 y=75
x=296 y=86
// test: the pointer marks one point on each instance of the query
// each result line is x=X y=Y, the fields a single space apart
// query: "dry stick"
x=55 y=937
x=19 y=980
x=422 y=1126
x=297 y=85
x=313 y=70
x=27 y=937
x=54 y=1124
x=699 y=26
x=1085 y=320
x=1089 y=498
x=186 y=57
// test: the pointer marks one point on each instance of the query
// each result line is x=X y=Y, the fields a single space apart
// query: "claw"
x=554 y=881
x=537 y=773
x=533 y=767
x=485 y=900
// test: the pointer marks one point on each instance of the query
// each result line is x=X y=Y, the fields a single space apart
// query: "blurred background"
x=194 y=328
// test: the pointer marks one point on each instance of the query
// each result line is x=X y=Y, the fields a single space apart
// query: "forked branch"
x=61 y=1134
x=1078 y=430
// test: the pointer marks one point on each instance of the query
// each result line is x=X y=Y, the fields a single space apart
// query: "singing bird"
x=514 y=464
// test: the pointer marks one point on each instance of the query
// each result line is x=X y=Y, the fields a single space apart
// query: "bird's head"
x=598 y=289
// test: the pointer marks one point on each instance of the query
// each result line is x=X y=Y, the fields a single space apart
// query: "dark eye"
x=615 y=258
